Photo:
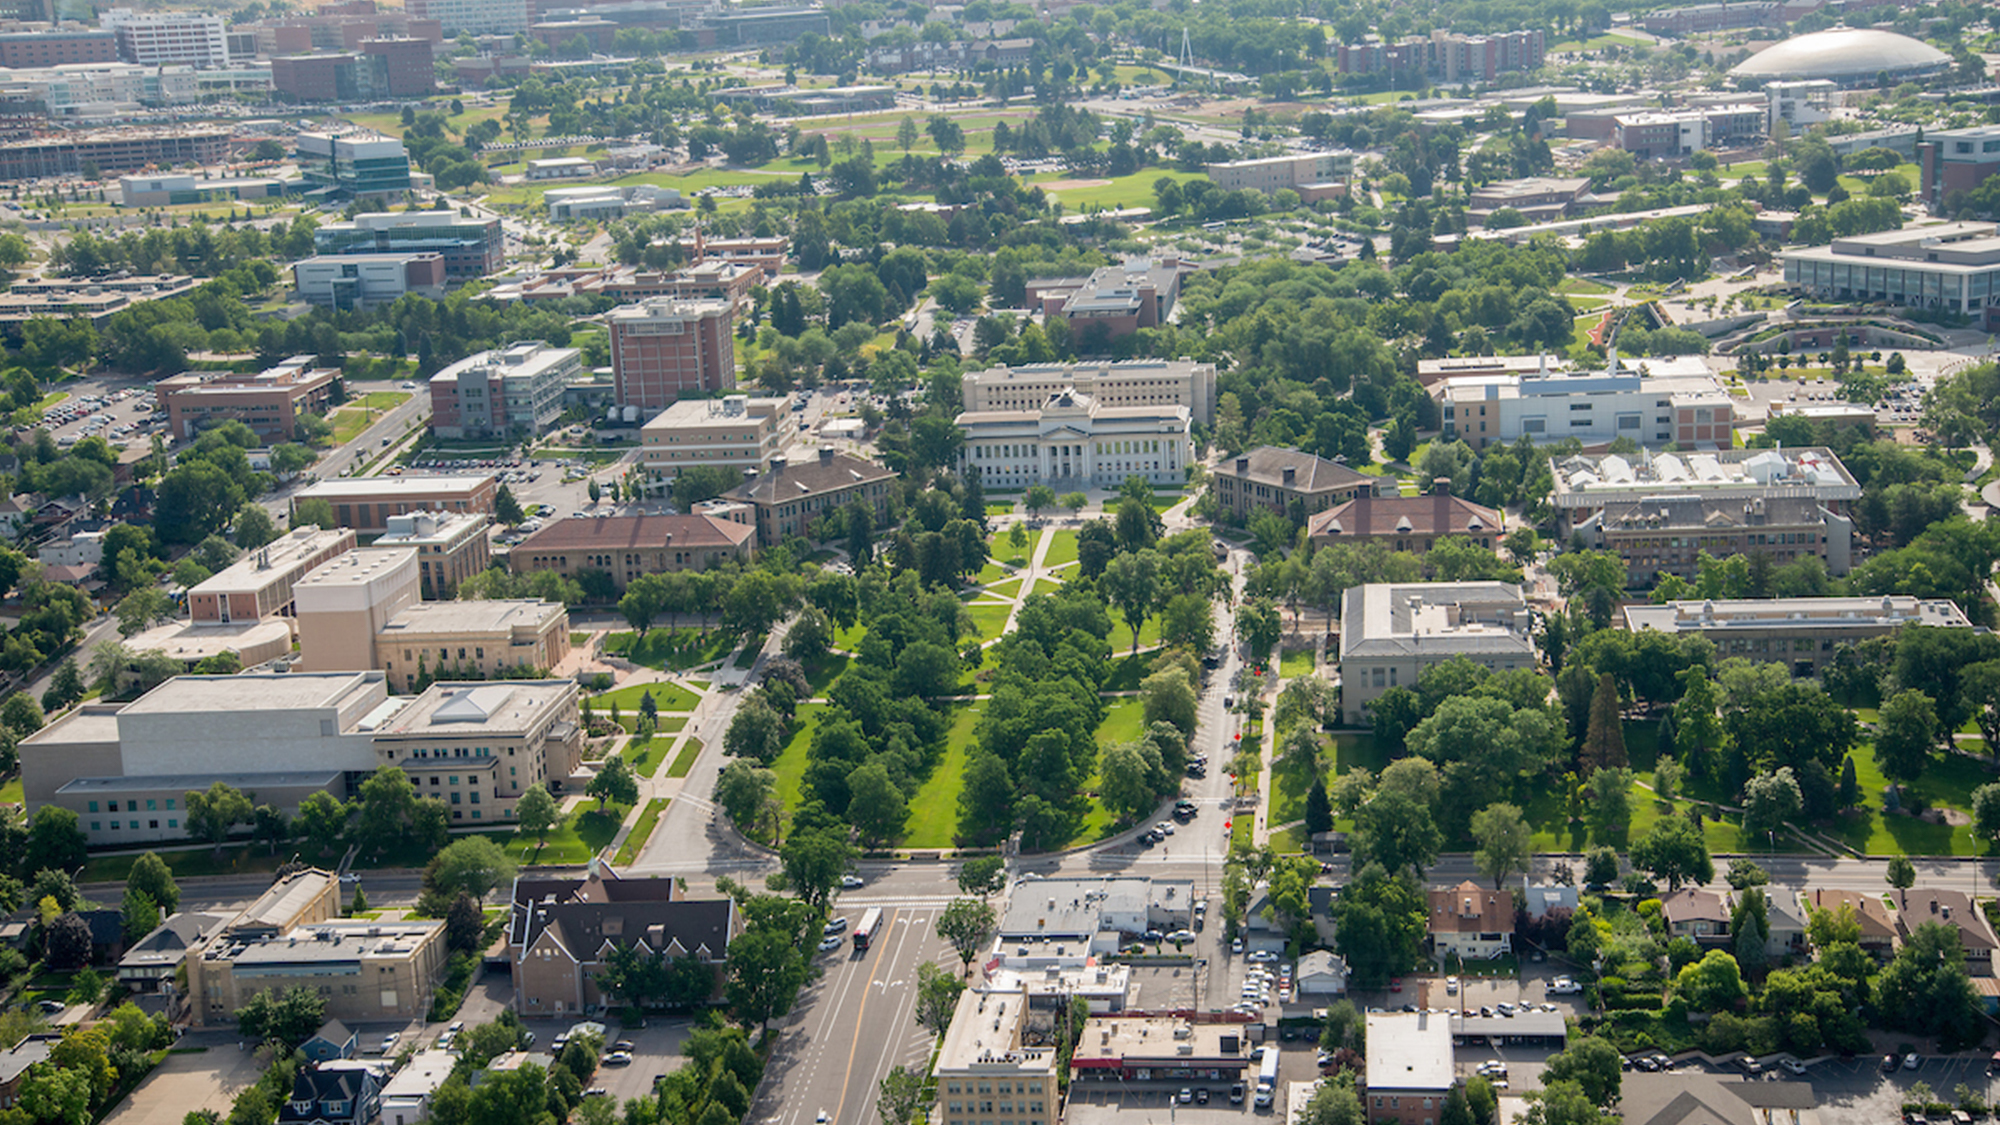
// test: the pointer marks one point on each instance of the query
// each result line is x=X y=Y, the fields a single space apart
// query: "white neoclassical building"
x=1073 y=442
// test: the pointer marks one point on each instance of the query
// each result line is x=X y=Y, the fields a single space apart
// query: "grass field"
x=1135 y=190
x=666 y=697
x=1124 y=720
x=1583 y=287
x=675 y=649
x=1121 y=633
x=575 y=840
x=642 y=830
x=790 y=764
x=933 y=819
x=1061 y=549
x=1597 y=43
x=989 y=618
x=684 y=761
x=645 y=754
x=1296 y=662
x=12 y=793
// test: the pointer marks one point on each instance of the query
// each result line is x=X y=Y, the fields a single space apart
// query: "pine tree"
x=1604 y=739
x=1319 y=809
x=1850 y=786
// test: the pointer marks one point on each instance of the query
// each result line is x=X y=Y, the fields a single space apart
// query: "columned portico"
x=1074 y=442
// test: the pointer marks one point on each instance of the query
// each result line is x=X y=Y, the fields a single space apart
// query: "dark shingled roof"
x=827 y=473
x=618 y=533
x=1311 y=473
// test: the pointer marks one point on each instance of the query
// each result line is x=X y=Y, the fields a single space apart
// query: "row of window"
x=152 y=805
x=987 y=1107
x=992 y=1088
x=171 y=823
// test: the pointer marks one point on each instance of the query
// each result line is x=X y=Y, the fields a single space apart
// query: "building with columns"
x=1071 y=441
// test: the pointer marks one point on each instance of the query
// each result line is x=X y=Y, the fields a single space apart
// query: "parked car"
x=1792 y=1066
x=1236 y=1093
x=1564 y=986
x=829 y=944
x=618 y=1058
x=1185 y=1097
x=849 y=882
x=837 y=925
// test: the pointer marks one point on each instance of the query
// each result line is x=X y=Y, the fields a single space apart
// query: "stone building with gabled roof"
x=1270 y=478
x=566 y=922
x=1407 y=523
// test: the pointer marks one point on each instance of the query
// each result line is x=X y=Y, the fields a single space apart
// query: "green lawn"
x=997 y=508
x=381 y=400
x=576 y=840
x=235 y=860
x=989 y=618
x=684 y=761
x=1062 y=548
x=666 y=697
x=1296 y=662
x=790 y=765
x=642 y=830
x=1006 y=588
x=1121 y=633
x=849 y=640
x=1598 y=43
x=1124 y=720
x=670 y=649
x=752 y=645
x=821 y=672
x=933 y=819
x=1948 y=783
x=1135 y=190
x=1583 y=286
x=12 y=792
x=645 y=754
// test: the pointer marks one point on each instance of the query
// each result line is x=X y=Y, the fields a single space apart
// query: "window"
x=93 y=808
x=151 y=804
x=171 y=822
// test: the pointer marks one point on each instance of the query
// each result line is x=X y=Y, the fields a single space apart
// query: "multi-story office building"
x=402 y=65
x=479 y=746
x=355 y=164
x=471 y=247
x=382 y=68
x=261 y=584
x=1654 y=401
x=163 y=38
x=626 y=547
x=365 y=969
x=1701 y=18
x=367 y=504
x=1113 y=302
x=480 y=17
x=1269 y=173
x=1272 y=479
x=450 y=547
x=1800 y=633
x=271 y=402
x=514 y=392
x=1390 y=632
x=1069 y=441
x=1949 y=266
x=1951 y=161
x=1145 y=382
x=92 y=299
x=752 y=27
x=735 y=431
x=113 y=150
x=54 y=47
x=663 y=348
x=364 y=281
x=787 y=500
x=986 y=1070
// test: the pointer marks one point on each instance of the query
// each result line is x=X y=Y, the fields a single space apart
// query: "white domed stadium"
x=1846 y=55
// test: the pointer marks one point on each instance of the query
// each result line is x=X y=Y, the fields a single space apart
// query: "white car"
x=836 y=926
x=1564 y=986
x=829 y=944
x=1793 y=1066
x=1263 y=956
x=618 y=1058
x=1164 y=828
x=849 y=882
x=390 y=1040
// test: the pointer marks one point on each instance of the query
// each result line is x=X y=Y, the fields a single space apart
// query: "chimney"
x=1243 y=464
x=778 y=465
x=1441 y=487
x=1291 y=474
x=826 y=455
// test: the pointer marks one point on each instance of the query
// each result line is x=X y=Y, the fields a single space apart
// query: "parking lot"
x=208 y=1079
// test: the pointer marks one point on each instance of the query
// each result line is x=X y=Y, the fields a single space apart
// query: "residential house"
x=1471 y=922
x=1321 y=974
x=1544 y=897
x=15 y=1061
x=107 y=935
x=1919 y=906
x=1784 y=926
x=332 y=1097
x=1699 y=915
x=159 y=955
x=1693 y=1098
x=1878 y=930
x=333 y=1040
x=406 y=1100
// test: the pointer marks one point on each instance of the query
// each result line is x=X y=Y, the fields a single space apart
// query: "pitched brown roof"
x=614 y=533
x=1368 y=516
x=1267 y=464
x=1692 y=904
x=1471 y=909
x=1868 y=911
x=799 y=479
x=1919 y=905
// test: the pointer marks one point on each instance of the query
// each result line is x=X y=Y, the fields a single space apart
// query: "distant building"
x=365 y=281
x=1270 y=173
x=1410 y=1067
x=735 y=431
x=610 y=201
x=1954 y=267
x=1652 y=401
x=984 y=1047
x=1154 y=383
x=1537 y=199
x=367 y=503
x=563 y=924
x=167 y=190
x=451 y=547
x=1069 y=440
x=755 y=27
x=162 y=38
x=663 y=348
x=113 y=150
x=1391 y=632
x=512 y=392
x=1800 y=633
x=1802 y=103
x=471 y=247
x=1669 y=134
x=1444 y=56
x=1696 y=19
x=271 y=402
x=354 y=164
x=790 y=498
x=479 y=17
x=57 y=47
x=1113 y=302
x=75 y=299
x=560 y=168
x=626 y=547
x=1272 y=479
x=1407 y=523
x=261 y=583
x=479 y=746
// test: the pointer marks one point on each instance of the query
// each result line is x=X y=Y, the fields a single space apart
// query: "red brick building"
x=403 y=65
x=662 y=348
x=54 y=48
x=270 y=402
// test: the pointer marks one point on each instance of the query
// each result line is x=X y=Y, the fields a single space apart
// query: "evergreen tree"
x=1319 y=809
x=1604 y=740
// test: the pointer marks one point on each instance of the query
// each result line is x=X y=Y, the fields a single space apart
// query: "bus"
x=865 y=932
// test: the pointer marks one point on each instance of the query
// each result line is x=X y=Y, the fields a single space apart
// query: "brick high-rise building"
x=403 y=65
x=55 y=48
x=662 y=348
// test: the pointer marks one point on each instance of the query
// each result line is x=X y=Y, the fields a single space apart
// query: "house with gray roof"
x=1391 y=631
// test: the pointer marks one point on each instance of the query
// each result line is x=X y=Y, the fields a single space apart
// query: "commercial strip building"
x=354 y=164
x=1070 y=441
x=271 y=402
x=366 y=504
x=1407 y=523
x=479 y=746
x=735 y=431
x=293 y=937
x=664 y=347
x=1272 y=479
x=626 y=547
x=261 y=583
x=1653 y=401
x=564 y=923
x=471 y=247
x=1390 y=632
x=1951 y=266
x=790 y=498
x=1149 y=382
x=514 y=392
x=95 y=300
x=1270 y=173
x=1113 y=302
x=365 y=281
x=451 y=547
x=163 y=38
x=1659 y=511
x=1801 y=633
x=1134 y=1047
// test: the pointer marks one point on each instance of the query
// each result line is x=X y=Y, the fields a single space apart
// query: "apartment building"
x=56 y=47
x=1070 y=441
x=1390 y=632
x=271 y=402
x=478 y=746
x=355 y=164
x=1653 y=401
x=735 y=431
x=365 y=969
x=515 y=391
x=663 y=348
x=471 y=247
x=451 y=547
x=1272 y=479
x=1154 y=383
x=626 y=547
x=262 y=582
x=986 y=1071
x=366 y=504
x=164 y=38
x=1800 y=633
x=366 y=281
x=790 y=498
x=1270 y=173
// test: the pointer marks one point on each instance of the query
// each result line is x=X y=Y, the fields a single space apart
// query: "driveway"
x=184 y=1083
